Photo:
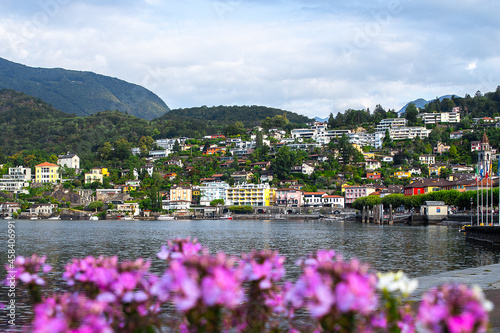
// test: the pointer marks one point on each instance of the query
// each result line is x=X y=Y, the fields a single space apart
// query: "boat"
x=8 y=218
x=225 y=217
x=165 y=217
x=125 y=218
x=34 y=218
x=93 y=218
x=54 y=218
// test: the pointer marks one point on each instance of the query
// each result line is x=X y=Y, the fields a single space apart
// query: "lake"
x=418 y=250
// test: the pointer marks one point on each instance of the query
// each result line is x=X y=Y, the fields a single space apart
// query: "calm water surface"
x=418 y=251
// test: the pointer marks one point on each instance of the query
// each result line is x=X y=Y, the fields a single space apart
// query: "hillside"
x=248 y=115
x=81 y=93
x=28 y=123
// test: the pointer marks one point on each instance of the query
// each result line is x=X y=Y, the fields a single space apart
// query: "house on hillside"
x=47 y=173
x=70 y=161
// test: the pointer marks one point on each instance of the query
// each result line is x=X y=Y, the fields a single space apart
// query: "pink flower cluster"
x=124 y=287
x=73 y=313
x=333 y=289
x=218 y=293
x=27 y=270
x=453 y=308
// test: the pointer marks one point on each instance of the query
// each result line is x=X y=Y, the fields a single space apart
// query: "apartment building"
x=16 y=180
x=250 y=195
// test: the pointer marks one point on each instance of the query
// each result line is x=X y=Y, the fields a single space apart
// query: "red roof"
x=46 y=164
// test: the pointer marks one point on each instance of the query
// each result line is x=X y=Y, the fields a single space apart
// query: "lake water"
x=418 y=251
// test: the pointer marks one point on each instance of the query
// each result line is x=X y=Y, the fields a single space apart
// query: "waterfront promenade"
x=486 y=277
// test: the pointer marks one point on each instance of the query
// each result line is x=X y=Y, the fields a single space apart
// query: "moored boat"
x=165 y=217
x=225 y=217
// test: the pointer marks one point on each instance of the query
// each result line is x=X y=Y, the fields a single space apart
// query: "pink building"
x=289 y=197
x=354 y=192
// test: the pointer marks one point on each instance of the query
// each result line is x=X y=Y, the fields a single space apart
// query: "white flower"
x=487 y=305
x=399 y=281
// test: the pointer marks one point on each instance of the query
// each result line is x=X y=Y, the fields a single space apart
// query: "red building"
x=414 y=189
x=374 y=175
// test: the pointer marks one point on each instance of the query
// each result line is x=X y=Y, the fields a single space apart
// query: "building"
x=374 y=175
x=10 y=208
x=42 y=209
x=333 y=201
x=389 y=123
x=256 y=195
x=405 y=133
x=131 y=208
x=362 y=139
x=181 y=192
x=434 y=210
x=372 y=164
x=442 y=117
x=213 y=191
x=441 y=148
x=402 y=174
x=47 y=173
x=68 y=160
x=427 y=159
x=242 y=176
x=17 y=180
x=96 y=175
x=354 y=192
x=314 y=199
x=289 y=197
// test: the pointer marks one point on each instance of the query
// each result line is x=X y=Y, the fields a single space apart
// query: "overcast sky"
x=313 y=57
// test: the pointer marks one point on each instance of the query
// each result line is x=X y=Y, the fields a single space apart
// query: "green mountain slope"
x=249 y=115
x=81 y=93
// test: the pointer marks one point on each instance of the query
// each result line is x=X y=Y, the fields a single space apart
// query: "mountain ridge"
x=81 y=92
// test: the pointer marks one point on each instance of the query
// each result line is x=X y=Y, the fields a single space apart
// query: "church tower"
x=484 y=155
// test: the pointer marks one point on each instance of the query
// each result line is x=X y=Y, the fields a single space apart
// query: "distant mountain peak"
x=420 y=103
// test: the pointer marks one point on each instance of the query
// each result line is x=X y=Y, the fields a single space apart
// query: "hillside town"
x=312 y=168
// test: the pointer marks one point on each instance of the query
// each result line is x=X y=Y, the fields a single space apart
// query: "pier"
x=489 y=235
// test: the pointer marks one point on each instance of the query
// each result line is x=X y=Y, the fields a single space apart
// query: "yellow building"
x=257 y=195
x=47 y=173
x=96 y=175
x=184 y=193
x=436 y=169
x=402 y=174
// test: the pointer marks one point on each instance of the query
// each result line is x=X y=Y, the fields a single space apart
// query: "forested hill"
x=249 y=116
x=81 y=93
x=28 y=123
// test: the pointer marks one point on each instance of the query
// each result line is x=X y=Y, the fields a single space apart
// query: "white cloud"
x=311 y=57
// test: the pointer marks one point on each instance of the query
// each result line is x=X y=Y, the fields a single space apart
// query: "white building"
x=333 y=201
x=69 y=160
x=213 y=191
x=389 y=123
x=17 y=179
x=404 y=133
x=362 y=139
x=443 y=117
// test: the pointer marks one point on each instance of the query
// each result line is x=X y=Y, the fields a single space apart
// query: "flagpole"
x=487 y=207
x=477 y=193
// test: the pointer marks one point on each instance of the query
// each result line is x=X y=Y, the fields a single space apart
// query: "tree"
x=96 y=205
x=217 y=202
x=411 y=114
x=177 y=147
